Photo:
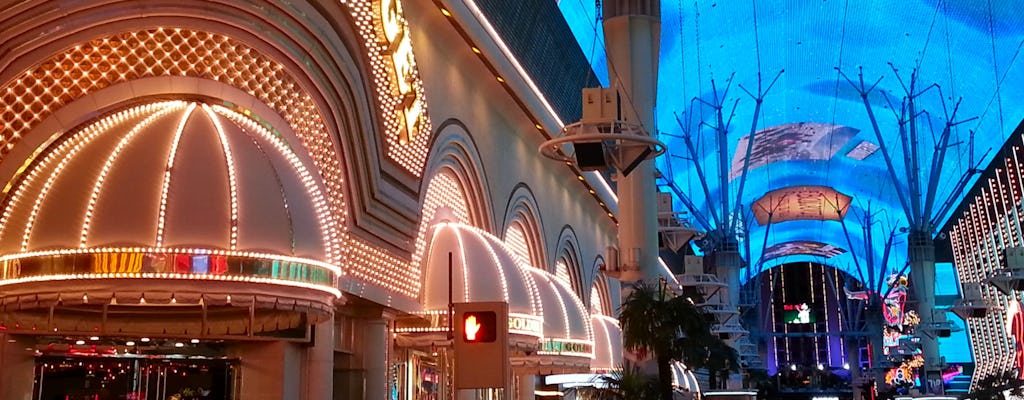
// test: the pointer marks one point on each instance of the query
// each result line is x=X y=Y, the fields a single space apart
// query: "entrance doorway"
x=71 y=377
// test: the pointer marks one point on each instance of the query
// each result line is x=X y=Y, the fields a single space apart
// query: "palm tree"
x=655 y=322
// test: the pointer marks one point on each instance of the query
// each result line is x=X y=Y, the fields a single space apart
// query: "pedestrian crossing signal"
x=479 y=327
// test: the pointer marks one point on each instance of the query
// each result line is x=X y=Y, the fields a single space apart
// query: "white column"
x=527 y=386
x=319 y=378
x=375 y=358
x=269 y=370
x=18 y=366
x=632 y=31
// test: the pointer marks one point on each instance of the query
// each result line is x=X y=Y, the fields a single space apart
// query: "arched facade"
x=249 y=181
x=523 y=227
x=567 y=265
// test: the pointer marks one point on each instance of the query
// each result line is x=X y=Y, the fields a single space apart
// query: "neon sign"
x=409 y=109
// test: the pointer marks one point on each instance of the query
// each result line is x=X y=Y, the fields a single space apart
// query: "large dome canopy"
x=168 y=174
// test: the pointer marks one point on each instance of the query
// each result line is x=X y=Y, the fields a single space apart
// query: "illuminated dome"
x=482 y=271
x=181 y=203
x=168 y=175
x=485 y=270
x=547 y=320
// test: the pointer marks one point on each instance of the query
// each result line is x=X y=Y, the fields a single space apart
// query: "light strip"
x=165 y=189
x=521 y=267
x=98 y=185
x=668 y=272
x=730 y=393
x=153 y=275
x=565 y=353
x=677 y=370
x=694 y=381
x=561 y=302
x=166 y=250
x=465 y=270
x=537 y=302
x=232 y=177
x=580 y=308
x=608 y=342
x=497 y=266
x=592 y=177
x=512 y=59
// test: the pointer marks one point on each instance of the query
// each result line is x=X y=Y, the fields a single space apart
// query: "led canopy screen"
x=717 y=89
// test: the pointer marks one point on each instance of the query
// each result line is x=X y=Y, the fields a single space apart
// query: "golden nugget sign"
x=409 y=109
x=525 y=325
x=565 y=347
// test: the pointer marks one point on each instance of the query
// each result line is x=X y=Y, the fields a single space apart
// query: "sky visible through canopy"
x=815 y=147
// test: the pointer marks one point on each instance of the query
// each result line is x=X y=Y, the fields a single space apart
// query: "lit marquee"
x=168 y=263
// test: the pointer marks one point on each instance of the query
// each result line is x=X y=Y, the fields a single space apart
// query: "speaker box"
x=590 y=156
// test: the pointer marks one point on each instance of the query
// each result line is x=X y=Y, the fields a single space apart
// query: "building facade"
x=258 y=200
x=986 y=238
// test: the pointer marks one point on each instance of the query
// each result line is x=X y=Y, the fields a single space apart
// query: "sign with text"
x=564 y=347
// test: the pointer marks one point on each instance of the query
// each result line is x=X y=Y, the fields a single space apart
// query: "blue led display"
x=814 y=128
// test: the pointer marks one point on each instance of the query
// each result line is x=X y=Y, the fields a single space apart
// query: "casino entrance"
x=141 y=369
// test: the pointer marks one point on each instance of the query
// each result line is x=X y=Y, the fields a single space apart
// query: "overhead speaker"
x=943 y=332
x=590 y=156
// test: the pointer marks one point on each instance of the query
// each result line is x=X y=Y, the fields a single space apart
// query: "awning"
x=547 y=319
x=607 y=344
x=683 y=378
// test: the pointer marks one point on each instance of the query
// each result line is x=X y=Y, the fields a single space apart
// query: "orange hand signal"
x=472 y=327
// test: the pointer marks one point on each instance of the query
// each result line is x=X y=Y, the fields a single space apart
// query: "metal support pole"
x=922 y=280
